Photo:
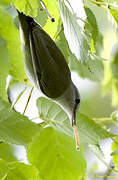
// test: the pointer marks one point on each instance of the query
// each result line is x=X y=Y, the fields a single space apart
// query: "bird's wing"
x=51 y=69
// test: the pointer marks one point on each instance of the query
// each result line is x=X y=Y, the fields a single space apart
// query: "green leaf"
x=110 y=81
x=10 y=33
x=95 y=73
x=92 y=28
x=52 y=7
x=29 y=7
x=85 y=63
x=22 y=171
x=89 y=131
x=74 y=32
x=42 y=17
x=115 y=153
x=14 y=127
x=114 y=13
x=5 y=2
x=19 y=171
x=7 y=152
x=4 y=68
x=55 y=156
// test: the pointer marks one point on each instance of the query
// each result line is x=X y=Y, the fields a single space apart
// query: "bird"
x=47 y=68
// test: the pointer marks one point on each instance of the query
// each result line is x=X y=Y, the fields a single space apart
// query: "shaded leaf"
x=14 y=127
x=89 y=131
x=55 y=156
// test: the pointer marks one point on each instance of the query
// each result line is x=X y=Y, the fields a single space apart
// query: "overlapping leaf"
x=56 y=156
x=79 y=39
x=89 y=131
x=29 y=7
x=19 y=171
x=15 y=128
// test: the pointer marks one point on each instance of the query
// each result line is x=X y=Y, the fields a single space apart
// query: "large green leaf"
x=4 y=68
x=55 y=156
x=18 y=171
x=10 y=33
x=89 y=131
x=7 y=152
x=14 y=127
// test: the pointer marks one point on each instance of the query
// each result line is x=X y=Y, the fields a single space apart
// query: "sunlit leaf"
x=4 y=68
x=29 y=7
x=115 y=153
x=19 y=171
x=7 y=152
x=56 y=156
x=10 y=33
x=52 y=7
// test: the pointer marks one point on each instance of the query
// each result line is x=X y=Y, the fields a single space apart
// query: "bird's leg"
x=28 y=100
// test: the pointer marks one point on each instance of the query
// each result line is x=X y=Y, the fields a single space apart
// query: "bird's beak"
x=75 y=129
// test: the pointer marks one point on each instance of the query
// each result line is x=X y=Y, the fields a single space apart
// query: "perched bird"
x=47 y=69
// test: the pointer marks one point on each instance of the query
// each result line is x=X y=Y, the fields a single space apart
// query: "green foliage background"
x=83 y=39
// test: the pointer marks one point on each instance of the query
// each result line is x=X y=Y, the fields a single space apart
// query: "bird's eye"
x=77 y=101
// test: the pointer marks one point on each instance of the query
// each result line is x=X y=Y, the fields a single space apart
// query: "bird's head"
x=70 y=102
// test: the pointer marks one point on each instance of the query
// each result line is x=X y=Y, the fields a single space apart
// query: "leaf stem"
x=29 y=97
x=19 y=96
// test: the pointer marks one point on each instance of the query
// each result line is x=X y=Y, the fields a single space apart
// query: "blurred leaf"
x=115 y=152
x=114 y=14
x=22 y=171
x=92 y=28
x=4 y=68
x=3 y=169
x=93 y=71
x=7 y=152
x=14 y=127
x=29 y=7
x=19 y=171
x=110 y=81
x=56 y=156
x=9 y=32
x=5 y=2
x=52 y=7
x=42 y=17
x=89 y=131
